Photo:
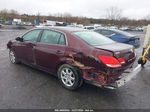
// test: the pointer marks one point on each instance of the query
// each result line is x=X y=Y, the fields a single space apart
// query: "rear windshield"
x=123 y=33
x=93 y=38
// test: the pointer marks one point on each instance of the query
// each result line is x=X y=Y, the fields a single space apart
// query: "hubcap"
x=67 y=77
x=12 y=57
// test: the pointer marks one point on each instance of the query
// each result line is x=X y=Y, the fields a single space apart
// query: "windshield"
x=93 y=38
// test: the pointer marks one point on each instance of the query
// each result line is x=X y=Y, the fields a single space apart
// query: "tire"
x=12 y=57
x=140 y=61
x=69 y=77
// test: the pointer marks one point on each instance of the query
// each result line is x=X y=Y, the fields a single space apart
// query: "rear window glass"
x=106 y=32
x=124 y=33
x=93 y=38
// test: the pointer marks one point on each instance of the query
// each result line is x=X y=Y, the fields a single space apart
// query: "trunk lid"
x=120 y=50
x=114 y=47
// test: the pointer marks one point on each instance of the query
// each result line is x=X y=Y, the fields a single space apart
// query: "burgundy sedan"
x=73 y=55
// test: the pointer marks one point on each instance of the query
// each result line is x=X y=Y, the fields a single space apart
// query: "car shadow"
x=49 y=89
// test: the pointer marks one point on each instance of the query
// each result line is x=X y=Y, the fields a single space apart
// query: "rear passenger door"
x=50 y=49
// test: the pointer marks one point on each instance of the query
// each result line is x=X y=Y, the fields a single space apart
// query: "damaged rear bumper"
x=126 y=77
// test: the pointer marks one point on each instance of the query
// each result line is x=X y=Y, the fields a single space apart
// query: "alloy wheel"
x=67 y=77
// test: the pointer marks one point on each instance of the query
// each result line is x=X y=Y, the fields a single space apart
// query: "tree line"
x=113 y=17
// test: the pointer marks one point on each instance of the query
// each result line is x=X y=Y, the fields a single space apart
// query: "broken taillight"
x=112 y=62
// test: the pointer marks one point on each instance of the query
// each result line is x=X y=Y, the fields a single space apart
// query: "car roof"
x=111 y=29
x=64 y=29
x=117 y=31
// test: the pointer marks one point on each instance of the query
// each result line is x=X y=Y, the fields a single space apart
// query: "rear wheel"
x=12 y=57
x=69 y=77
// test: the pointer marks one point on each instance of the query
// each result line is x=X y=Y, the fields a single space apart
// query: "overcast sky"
x=90 y=8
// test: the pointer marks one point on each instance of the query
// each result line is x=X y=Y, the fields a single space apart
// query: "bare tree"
x=3 y=14
x=113 y=13
x=147 y=17
x=12 y=14
x=67 y=17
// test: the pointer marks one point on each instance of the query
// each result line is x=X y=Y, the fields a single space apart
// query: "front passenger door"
x=25 y=49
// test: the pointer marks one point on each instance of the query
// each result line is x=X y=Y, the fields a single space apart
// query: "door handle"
x=31 y=45
x=59 y=52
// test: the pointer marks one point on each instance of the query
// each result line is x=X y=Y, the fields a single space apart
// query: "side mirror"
x=19 y=39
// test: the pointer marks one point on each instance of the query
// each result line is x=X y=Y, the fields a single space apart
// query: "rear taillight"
x=121 y=61
x=111 y=62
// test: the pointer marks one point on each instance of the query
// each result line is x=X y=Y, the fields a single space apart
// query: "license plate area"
x=126 y=77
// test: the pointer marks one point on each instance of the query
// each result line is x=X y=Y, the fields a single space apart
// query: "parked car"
x=124 y=28
x=8 y=23
x=74 y=55
x=120 y=36
x=89 y=27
